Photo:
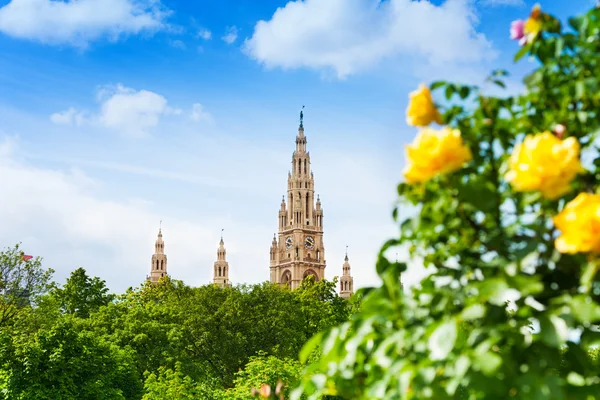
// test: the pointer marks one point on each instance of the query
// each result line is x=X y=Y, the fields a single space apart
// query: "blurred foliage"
x=511 y=307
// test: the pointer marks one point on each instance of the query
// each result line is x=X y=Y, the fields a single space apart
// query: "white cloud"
x=69 y=117
x=127 y=110
x=204 y=34
x=79 y=22
x=231 y=35
x=62 y=216
x=492 y=3
x=200 y=114
x=101 y=211
x=178 y=44
x=349 y=36
x=131 y=111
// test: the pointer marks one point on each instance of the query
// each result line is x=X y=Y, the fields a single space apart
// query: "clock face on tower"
x=309 y=242
x=288 y=242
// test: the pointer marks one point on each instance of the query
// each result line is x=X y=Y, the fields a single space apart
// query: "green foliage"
x=165 y=340
x=65 y=362
x=21 y=283
x=265 y=370
x=455 y=336
x=82 y=295
x=169 y=384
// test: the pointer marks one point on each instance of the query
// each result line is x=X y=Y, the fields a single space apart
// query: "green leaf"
x=442 y=340
x=488 y=362
x=579 y=89
x=310 y=346
x=499 y=83
x=494 y=290
x=473 y=312
x=575 y=379
x=553 y=330
x=500 y=72
x=589 y=272
x=450 y=90
x=585 y=309
x=464 y=91
x=560 y=42
x=437 y=84
x=522 y=51
x=480 y=193
x=576 y=22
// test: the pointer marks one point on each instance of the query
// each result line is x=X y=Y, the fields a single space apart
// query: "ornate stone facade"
x=298 y=249
x=346 y=280
x=221 y=267
x=158 y=267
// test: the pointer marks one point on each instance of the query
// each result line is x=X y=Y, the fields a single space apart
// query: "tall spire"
x=346 y=280
x=158 y=266
x=299 y=250
x=221 y=266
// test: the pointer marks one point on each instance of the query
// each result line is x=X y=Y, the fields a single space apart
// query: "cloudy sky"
x=117 y=114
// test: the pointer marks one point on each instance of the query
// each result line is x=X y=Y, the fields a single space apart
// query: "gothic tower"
x=158 y=269
x=221 y=268
x=346 y=280
x=299 y=250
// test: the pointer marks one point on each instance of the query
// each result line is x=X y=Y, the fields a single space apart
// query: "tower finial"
x=222 y=229
x=346 y=258
x=302 y=117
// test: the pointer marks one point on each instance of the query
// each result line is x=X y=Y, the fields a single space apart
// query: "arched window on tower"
x=304 y=166
x=219 y=272
x=157 y=268
x=318 y=255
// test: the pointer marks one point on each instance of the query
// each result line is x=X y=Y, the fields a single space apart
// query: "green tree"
x=263 y=370
x=173 y=384
x=65 y=362
x=82 y=295
x=504 y=210
x=21 y=283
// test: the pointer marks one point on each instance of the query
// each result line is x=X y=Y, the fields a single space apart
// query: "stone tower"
x=299 y=251
x=221 y=268
x=346 y=280
x=158 y=269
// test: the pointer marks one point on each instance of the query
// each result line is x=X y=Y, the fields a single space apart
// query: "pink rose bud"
x=517 y=29
x=265 y=390
x=560 y=130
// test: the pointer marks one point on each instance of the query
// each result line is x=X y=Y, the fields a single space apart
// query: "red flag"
x=25 y=257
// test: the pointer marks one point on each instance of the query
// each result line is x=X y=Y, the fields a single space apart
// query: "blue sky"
x=116 y=114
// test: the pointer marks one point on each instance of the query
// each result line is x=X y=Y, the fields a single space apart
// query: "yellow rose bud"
x=579 y=223
x=544 y=162
x=435 y=152
x=533 y=25
x=421 y=111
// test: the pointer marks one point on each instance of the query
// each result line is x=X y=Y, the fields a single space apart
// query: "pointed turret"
x=221 y=267
x=346 y=280
x=158 y=267
x=300 y=250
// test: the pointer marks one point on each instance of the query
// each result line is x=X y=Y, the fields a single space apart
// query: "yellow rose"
x=421 y=111
x=435 y=152
x=544 y=162
x=579 y=223
x=533 y=25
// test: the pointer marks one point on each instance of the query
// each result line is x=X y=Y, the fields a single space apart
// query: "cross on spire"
x=222 y=229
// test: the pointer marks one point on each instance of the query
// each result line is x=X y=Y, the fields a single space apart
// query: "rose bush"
x=508 y=222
